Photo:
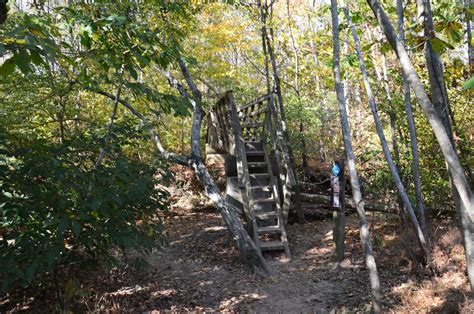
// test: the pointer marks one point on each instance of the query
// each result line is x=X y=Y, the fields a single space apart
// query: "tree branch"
x=179 y=159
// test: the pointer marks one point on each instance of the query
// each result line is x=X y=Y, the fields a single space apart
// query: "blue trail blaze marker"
x=335 y=170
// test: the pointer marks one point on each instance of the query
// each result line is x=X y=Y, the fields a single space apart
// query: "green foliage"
x=469 y=83
x=57 y=209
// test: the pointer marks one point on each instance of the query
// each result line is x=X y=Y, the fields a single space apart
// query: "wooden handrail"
x=260 y=120
x=260 y=99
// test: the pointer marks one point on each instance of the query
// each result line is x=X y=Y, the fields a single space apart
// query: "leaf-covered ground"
x=199 y=270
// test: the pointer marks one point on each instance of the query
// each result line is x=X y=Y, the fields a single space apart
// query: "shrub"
x=56 y=208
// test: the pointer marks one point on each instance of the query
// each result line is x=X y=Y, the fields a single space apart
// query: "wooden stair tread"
x=271 y=245
x=257 y=163
x=255 y=152
x=260 y=175
x=264 y=200
x=266 y=215
x=262 y=186
x=269 y=229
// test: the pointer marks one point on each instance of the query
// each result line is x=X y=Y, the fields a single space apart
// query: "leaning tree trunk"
x=440 y=100
x=459 y=182
x=249 y=252
x=383 y=141
x=245 y=244
x=411 y=126
x=354 y=179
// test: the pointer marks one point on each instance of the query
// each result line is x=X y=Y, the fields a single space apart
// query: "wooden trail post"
x=339 y=208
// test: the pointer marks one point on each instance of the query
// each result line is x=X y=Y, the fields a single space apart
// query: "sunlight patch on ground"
x=215 y=228
x=234 y=301
x=127 y=291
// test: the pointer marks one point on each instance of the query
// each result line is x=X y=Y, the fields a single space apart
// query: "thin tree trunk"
x=460 y=184
x=304 y=158
x=354 y=179
x=276 y=80
x=440 y=100
x=392 y=113
x=411 y=125
x=264 y=46
x=111 y=124
x=383 y=141
x=245 y=244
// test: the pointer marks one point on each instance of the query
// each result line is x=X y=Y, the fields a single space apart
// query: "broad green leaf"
x=7 y=67
x=469 y=83
x=440 y=45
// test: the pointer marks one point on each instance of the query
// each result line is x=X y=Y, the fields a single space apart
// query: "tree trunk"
x=276 y=80
x=111 y=124
x=304 y=158
x=354 y=179
x=3 y=11
x=383 y=141
x=411 y=125
x=245 y=244
x=392 y=113
x=264 y=46
x=460 y=184
x=440 y=100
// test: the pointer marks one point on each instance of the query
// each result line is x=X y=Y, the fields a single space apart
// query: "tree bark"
x=3 y=11
x=459 y=182
x=354 y=179
x=383 y=141
x=411 y=125
x=392 y=113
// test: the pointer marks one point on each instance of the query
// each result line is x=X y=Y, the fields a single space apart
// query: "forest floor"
x=199 y=270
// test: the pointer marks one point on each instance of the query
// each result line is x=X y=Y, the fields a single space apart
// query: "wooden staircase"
x=252 y=135
x=269 y=233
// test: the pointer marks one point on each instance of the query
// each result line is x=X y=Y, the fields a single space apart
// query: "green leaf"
x=36 y=58
x=385 y=47
x=439 y=45
x=22 y=61
x=96 y=203
x=2 y=49
x=469 y=83
x=76 y=228
x=7 y=67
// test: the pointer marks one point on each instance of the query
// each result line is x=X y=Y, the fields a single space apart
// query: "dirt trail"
x=200 y=270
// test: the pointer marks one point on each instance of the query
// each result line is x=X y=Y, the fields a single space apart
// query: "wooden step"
x=263 y=187
x=255 y=153
x=252 y=125
x=266 y=215
x=269 y=229
x=253 y=145
x=257 y=164
x=267 y=200
x=271 y=245
x=259 y=175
